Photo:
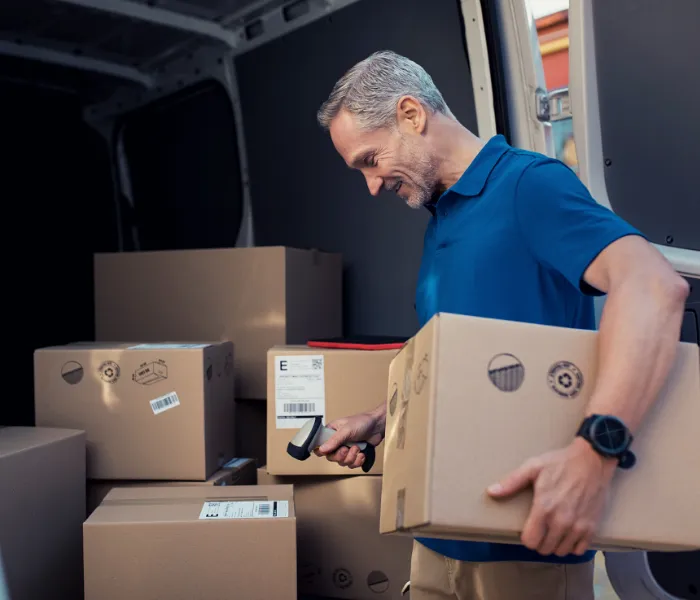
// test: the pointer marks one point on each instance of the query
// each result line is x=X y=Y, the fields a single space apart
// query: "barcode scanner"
x=313 y=435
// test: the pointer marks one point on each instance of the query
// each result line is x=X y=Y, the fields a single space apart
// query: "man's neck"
x=456 y=149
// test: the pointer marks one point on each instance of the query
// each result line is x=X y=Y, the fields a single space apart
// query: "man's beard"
x=424 y=181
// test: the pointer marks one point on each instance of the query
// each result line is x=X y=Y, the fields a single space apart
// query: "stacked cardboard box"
x=340 y=551
x=192 y=542
x=150 y=411
x=162 y=403
x=42 y=509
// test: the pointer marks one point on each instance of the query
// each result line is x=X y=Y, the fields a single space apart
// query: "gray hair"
x=371 y=89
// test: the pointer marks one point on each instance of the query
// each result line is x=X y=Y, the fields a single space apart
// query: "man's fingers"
x=515 y=481
x=568 y=544
x=359 y=461
x=336 y=441
x=347 y=457
x=355 y=458
x=584 y=531
x=339 y=455
x=350 y=457
x=583 y=545
x=534 y=530
x=555 y=534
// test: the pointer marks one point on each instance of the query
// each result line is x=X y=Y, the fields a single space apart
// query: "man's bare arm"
x=639 y=328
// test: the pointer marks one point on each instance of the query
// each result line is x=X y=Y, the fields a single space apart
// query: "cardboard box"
x=191 y=542
x=255 y=297
x=470 y=399
x=340 y=553
x=238 y=471
x=304 y=382
x=175 y=424
x=42 y=508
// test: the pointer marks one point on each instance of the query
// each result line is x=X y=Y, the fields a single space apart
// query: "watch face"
x=610 y=435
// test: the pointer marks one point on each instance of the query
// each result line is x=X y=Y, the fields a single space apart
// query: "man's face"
x=397 y=159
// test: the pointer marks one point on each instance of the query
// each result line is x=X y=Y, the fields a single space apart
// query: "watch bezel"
x=593 y=433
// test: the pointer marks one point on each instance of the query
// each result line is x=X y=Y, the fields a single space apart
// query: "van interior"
x=139 y=125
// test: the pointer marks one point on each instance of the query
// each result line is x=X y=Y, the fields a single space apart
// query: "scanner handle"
x=365 y=447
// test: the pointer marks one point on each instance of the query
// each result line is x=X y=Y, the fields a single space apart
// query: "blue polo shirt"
x=511 y=240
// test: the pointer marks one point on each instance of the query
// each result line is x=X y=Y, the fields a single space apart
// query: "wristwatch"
x=609 y=437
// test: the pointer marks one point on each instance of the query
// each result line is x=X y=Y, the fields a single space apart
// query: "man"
x=514 y=235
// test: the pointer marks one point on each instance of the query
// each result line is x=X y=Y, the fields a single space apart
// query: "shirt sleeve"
x=563 y=226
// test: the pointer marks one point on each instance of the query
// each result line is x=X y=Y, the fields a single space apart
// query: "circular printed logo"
x=565 y=378
x=378 y=582
x=72 y=372
x=342 y=578
x=506 y=372
x=109 y=371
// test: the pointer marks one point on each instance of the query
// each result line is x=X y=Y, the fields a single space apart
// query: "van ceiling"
x=124 y=42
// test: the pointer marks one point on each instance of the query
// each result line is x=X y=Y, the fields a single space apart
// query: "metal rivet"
x=608 y=162
x=669 y=239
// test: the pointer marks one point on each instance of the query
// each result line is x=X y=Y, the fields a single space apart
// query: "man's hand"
x=365 y=427
x=570 y=492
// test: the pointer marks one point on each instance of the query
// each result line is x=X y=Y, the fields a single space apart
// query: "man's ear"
x=411 y=115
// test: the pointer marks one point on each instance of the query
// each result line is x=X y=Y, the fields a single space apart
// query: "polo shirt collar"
x=474 y=179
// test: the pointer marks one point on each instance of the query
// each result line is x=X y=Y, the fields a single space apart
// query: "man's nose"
x=374 y=184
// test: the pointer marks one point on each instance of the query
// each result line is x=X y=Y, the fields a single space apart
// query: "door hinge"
x=542 y=105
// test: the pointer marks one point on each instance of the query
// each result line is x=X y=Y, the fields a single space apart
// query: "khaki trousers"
x=435 y=577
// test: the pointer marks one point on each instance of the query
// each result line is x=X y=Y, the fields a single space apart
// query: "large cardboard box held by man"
x=255 y=297
x=305 y=382
x=150 y=411
x=191 y=542
x=42 y=509
x=238 y=471
x=471 y=399
x=340 y=553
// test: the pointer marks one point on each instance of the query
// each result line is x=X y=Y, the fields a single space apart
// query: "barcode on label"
x=299 y=407
x=317 y=363
x=245 y=509
x=165 y=403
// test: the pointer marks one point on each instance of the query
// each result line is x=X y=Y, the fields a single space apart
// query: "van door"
x=634 y=92
x=634 y=89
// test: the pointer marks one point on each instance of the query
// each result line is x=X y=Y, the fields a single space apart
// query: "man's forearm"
x=638 y=337
x=379 y=414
